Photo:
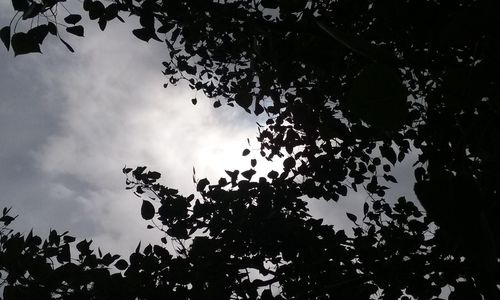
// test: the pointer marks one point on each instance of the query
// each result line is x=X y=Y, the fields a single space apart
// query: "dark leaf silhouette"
x=20 y=5
x=289 y=163
x=52 y=28
x=352 y=217
x=24 y=43
x=39 y=33
x=248 y=174
x=142 y=34
x=32 y=11
x=72 y=19
x=202 y=184
x=147 y=210
x=388 y=152
x=121 y=264
x=76 y=30
x=5 y=36
x=96 y=9
x=102 y=23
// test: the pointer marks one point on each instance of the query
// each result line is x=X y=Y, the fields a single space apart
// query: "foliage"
x=229 y=257
x=350 y=88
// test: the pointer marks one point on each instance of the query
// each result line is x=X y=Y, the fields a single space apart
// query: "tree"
x=350 y=89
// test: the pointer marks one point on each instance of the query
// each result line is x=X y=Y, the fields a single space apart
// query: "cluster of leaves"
x=263 y=225
x=42 y=16
x=222 y=253
x=350 y=88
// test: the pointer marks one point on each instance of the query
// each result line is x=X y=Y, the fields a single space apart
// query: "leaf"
x=154 y=175
x=365 y=208
x=243 y=99
x=64 y=254
x=102 y=23
x=222 y=182
x=76 y=30
x=388 y=153
x=83 y=246
x=7 y=220
x=20 y=5
x=5 y=36
x=343 y=190
x=258 y=108
x=87 y=4
x=72 y=19
x=121 y=264
x=273 y=174
x=378 y=97
x=67 y=45
x=289 y=163
x=96 y=10
x=175 y=34
x=111 y=11
x=194 y=101
x=33 y=10
x=142 y=34
x=253 y=162
x=39 y=33
x=68 y=239
x=22 y=43
x=248 y=174
x=202 y=184
x=245 y=152
x=390 y=178
x=352 y=217
x=147 y=210
x=233 y=175
x=52 y=28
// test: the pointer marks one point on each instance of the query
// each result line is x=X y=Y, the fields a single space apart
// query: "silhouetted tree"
x=350 y=88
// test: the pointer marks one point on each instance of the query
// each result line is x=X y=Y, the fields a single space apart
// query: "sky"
x=69 y=123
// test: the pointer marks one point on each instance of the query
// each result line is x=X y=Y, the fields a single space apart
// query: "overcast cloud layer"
x=70 y=122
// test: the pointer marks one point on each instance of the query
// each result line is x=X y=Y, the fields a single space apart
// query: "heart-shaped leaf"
x=5 y=36
x=76 y=30
x=72 y=19
x=23 y=43
x=147 y=210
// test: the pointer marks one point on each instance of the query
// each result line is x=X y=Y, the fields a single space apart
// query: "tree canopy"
x=350 y=88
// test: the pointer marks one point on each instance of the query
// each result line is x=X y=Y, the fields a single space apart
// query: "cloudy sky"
x=70 y=122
